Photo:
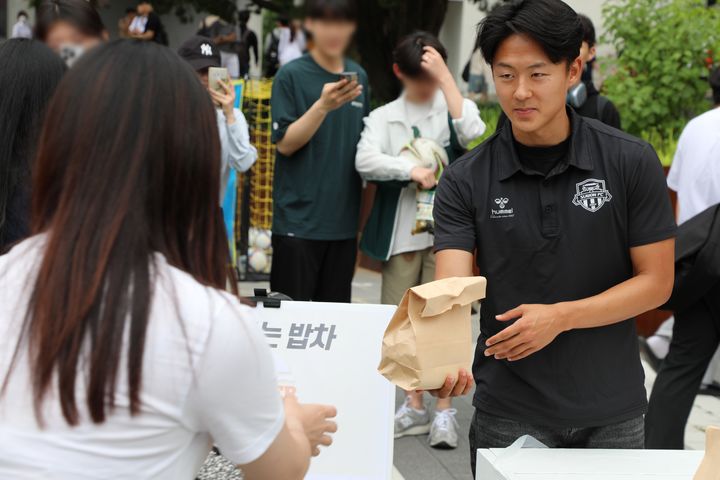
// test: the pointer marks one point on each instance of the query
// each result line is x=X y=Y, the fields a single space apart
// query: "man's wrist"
x=567 y=315
x=230 y=117
x=446 y=80
x=320 y=108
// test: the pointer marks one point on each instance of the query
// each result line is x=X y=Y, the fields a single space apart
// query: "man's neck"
x=553 y=133
x=333 y=64
x=411 y=99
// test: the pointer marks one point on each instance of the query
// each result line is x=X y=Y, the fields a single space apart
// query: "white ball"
x=263 y=240
x=252 y=236
x=257 y=260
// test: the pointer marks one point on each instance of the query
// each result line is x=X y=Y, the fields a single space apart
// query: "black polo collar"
x=578 y=154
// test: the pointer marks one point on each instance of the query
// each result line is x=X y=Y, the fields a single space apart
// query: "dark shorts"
x=487 y=431
x=313 y=270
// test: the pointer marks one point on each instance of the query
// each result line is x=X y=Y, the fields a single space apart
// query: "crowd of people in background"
x=116 y=327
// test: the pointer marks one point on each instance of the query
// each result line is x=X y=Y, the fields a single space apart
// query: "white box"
x=586 y=464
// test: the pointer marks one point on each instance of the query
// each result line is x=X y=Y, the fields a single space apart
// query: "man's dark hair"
x=22 y=13
x=243 y=17
x=588 y=30
x=409 y=52
x=715 y=85
x=130 y=10
x=551 y=23
x=331 y=10
x=78 y=13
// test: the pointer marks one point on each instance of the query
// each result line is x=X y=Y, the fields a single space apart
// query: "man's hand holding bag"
x=428 y=344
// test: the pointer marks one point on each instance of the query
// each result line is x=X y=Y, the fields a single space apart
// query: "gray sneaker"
x=443 y=433
x=409 y=421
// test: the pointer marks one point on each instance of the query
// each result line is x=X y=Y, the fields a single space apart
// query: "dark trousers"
x=696 y=335
x=313 y=270
x=488 y=431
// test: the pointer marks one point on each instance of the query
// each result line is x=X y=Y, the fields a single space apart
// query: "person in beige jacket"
x=432 y=107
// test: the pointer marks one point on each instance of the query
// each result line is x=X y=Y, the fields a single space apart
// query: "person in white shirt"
x=695 y=176
x=291 y=41
x=237 y=152
x=121 y=357
x=432 y=107
x=22 y=28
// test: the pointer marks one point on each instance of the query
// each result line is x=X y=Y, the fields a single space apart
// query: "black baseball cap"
x=200 y=53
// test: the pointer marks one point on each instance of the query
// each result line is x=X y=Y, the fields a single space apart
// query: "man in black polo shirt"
x=573 y=228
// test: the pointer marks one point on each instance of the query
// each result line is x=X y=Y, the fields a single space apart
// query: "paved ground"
x=415 y=460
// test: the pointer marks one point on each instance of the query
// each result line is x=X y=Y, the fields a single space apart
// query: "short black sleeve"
x=153 y=24
x=650 y=215
x=284 y=111
x=453 y=213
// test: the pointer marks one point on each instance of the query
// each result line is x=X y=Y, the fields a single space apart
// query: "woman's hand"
x=225 y=100
x=315 y=422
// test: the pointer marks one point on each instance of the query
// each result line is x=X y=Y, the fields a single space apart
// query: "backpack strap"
x=455 y=150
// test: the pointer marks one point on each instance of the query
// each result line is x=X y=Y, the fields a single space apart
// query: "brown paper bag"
x=710 y=466
x=430 y=335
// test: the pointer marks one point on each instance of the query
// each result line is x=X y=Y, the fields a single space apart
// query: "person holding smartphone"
x=237 y=152
x=317 y=117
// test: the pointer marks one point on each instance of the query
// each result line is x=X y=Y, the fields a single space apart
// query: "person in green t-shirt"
x=318 y=104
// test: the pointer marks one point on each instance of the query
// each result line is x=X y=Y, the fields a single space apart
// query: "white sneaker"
x=409 y=421
x=443 y=432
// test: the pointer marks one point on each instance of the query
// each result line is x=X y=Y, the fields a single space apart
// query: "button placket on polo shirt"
x=548 y=202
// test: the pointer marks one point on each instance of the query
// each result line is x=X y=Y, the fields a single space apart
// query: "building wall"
x=177 y=31
x=12 y=7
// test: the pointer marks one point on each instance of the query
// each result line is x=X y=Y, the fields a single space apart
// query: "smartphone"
x=350 y=76
x=214 y=75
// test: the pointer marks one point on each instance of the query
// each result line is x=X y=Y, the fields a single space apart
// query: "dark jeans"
x=488 y=431
x=313 y=270
x=696 y=335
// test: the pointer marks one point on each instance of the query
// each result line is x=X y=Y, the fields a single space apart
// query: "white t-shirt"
x=695 y=171
x=208 y=376
x=404 y=240
x=289 y=50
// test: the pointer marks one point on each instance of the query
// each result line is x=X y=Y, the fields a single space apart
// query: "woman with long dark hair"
x=29 y=73
x=120 y=355
x=69 y=27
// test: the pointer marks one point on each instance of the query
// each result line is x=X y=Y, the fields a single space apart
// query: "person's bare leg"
x=416 y=400
x=443 y=404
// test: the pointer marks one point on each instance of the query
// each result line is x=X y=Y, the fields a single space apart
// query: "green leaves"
x=658 y=82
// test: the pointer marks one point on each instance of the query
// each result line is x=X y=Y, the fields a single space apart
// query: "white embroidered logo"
x=502 y=211
x=206 y=50
x=591 y=194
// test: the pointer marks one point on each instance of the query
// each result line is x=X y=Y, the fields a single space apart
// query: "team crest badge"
x=591 y=195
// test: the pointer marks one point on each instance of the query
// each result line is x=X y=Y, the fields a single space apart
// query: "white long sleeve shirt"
x=236 y=151
x=388 y=129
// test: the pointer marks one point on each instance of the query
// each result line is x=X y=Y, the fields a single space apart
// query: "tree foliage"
x=664 y=52
x=381 y=24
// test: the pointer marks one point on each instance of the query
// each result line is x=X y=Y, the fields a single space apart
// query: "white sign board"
x=330 y=353
x=586 y=464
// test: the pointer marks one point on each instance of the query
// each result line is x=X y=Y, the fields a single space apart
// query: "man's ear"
x=397 y=72
x=575 y=71
x=308 y=23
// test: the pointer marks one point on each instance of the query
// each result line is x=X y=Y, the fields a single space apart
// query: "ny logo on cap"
x=206 y=50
